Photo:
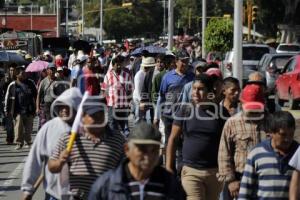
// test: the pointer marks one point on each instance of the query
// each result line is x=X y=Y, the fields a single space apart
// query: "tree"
x=142 y=19
x=219 y=35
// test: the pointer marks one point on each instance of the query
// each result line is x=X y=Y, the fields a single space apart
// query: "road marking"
x=10 y=179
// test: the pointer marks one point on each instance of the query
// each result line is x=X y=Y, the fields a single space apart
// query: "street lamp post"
x=101 y=22
x=67 y=17
x=82 y=16
x=203 y=27
x=57 y=18
x=164 y=23
x=170 y=24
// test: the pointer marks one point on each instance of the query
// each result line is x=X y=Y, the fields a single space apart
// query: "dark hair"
x=229 y=81
x=281 y=120
x=206 y=80
x=118 y=59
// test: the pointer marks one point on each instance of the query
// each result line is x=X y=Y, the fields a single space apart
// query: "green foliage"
x=139 y=20
x=219 y=35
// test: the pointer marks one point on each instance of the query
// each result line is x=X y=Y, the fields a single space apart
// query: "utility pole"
x=67 y=17
x=170 y=24
x=203 y=27
x=237 y=41
x=190 y=16
x=164 y=30
x=101 y=22
x=82 y=17
x=58 y=18
x=31 y=16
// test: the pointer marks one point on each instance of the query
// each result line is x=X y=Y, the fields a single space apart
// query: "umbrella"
x=37 y=66
x=12 y=57
x=150 y=49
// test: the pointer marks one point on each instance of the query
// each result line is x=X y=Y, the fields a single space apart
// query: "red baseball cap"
x=214 y=72
x=252 y=98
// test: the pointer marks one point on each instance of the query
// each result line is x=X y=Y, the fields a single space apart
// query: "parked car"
x=252 y=53
x=288 y=83
x=214 y=57
x=270 y=64
x=288 y=48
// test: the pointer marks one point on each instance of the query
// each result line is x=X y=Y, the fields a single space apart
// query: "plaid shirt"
x=238 y=138
x=118 y=88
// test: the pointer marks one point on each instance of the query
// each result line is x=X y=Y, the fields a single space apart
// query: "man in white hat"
x=146 y=65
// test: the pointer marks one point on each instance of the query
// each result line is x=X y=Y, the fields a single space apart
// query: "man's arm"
x=55 y=165
x=59 y=156
x=294 y=186
x=171 y=147
x=226 y=155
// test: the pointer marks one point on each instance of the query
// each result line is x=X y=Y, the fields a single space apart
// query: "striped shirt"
x=118 y=87
x=238 y=138
x=151 y=189
x=267 y=174
x=90 y=159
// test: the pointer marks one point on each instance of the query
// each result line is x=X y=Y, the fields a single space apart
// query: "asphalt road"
x=12 y=163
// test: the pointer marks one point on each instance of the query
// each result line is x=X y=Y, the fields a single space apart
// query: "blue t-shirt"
x=77 y=73
x=201 y=135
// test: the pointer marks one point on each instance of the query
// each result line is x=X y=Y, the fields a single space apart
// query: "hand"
x=26 y=196
x=170 y=170
x=142 y=106
x=37 y=111
x=234 y=188
x=63 y=157
x=156 y=123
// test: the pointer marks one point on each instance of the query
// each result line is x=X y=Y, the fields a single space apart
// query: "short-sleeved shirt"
x=295 y=161
x=201 y=136
x=88 y=160
x=118 y=87
x=49 y=89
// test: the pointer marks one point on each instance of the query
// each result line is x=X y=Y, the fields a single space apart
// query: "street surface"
x=12 y=163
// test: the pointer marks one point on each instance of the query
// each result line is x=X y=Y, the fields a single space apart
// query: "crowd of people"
x=194 y=134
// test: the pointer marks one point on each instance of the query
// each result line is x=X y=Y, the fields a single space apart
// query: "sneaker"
x=18 y=147
x=27 y=146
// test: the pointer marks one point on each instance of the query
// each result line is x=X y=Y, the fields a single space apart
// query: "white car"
x=252 y=53
x=288 y=48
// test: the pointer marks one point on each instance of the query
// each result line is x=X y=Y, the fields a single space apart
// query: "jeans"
x=49 y=197
x=118 y=117
x=23 y=128
x=9 y=126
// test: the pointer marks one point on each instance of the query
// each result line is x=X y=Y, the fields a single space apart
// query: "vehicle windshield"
x=254 y=53
x=280 y=62
x=289 y=48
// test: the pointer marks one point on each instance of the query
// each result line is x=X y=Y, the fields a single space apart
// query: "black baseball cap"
x=182 y=55
x=144 y=133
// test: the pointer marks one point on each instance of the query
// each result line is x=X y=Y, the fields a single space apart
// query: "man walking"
x=118 y=91
x=267 y=174
x=96 y=150
x=65 y=107
x=20 y=103
x=139 y=176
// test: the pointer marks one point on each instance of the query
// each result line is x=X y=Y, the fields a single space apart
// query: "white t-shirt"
x=295 y=161
x=138 y=85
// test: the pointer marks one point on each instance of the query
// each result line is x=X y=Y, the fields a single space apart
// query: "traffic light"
x=126 y=5
x=254 y=14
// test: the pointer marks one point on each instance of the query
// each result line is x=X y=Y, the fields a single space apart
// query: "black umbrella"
x=12 y=57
